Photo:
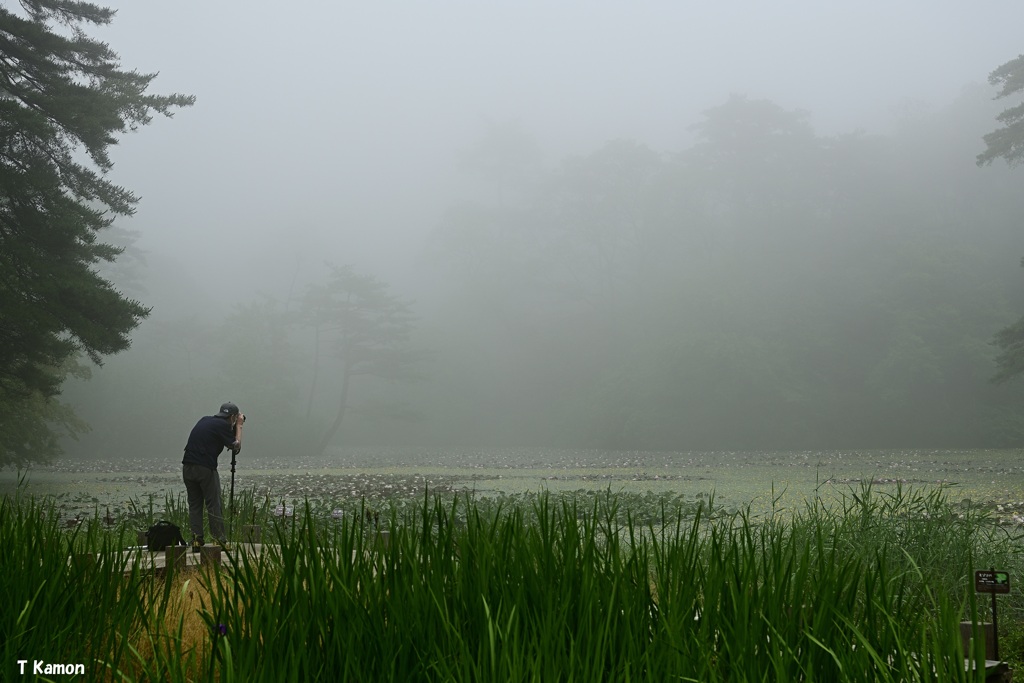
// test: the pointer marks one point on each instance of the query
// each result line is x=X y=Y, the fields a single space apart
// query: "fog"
x=336 y=127
x=377 y=134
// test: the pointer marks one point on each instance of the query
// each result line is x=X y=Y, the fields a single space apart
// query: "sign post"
x=991 y=581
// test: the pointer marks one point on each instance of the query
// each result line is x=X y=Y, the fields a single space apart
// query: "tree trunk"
x=316 y=370
x=329 y=436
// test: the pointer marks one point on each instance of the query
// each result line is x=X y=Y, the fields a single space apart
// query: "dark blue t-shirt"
x=209 y=437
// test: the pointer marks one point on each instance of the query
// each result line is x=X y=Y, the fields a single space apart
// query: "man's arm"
x=237 y=445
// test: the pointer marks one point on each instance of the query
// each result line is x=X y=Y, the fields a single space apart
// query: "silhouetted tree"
x=365 y=328
x=1007 y=143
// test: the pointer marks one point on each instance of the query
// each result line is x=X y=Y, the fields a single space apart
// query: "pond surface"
x=734 y=478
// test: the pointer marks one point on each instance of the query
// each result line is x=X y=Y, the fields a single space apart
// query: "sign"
x=284 y=511
x=991 y=581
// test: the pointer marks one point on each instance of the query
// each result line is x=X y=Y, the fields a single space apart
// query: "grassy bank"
x=528 y=587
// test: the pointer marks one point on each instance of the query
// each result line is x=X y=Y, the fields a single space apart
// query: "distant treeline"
x=766 y=287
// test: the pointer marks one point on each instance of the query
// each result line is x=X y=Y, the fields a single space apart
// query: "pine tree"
x=64 y=99
x=1007 y=143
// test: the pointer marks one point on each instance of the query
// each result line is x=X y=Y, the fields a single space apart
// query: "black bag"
x=163 y=534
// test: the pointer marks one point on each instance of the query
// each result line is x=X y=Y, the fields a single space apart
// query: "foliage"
x=1010 y=341
x=550 y=588
x=46 y=611
x=1007 y=143
x=64 y=98
x=27 y=422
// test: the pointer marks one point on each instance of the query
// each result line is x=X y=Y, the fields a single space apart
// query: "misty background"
x=650 y=225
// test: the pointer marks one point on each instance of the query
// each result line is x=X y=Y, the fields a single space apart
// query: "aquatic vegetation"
x=590 y=585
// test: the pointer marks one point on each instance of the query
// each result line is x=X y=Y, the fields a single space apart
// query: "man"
x=210 y=436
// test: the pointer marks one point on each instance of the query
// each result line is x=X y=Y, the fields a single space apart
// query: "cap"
x=228 y=409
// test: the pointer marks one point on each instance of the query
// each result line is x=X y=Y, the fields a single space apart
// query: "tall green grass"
x=536 y=588
x=67 y=597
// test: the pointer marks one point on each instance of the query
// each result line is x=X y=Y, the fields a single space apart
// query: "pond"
x=734 y=478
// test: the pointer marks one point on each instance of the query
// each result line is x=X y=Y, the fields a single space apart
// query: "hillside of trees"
x=766 y=287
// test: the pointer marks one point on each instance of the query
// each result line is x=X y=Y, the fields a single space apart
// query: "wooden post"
x=995 y=633
x=209 y=555
x=174 y=557
x=983 y=631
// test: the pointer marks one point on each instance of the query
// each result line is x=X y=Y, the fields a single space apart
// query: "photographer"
x=211 y=435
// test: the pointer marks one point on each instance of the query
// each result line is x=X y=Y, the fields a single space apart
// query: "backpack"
x=163 y=534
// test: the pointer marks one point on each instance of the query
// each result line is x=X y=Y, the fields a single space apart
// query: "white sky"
x=329 y=130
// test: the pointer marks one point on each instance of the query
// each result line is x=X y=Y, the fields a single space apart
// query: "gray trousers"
x=203 y=486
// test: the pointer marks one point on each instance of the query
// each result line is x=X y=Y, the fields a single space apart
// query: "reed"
x=68 y=595
x=541 y=587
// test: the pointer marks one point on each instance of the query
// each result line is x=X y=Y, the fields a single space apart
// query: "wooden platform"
x=147 y=560
x=208 y=554
x=995 y=671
